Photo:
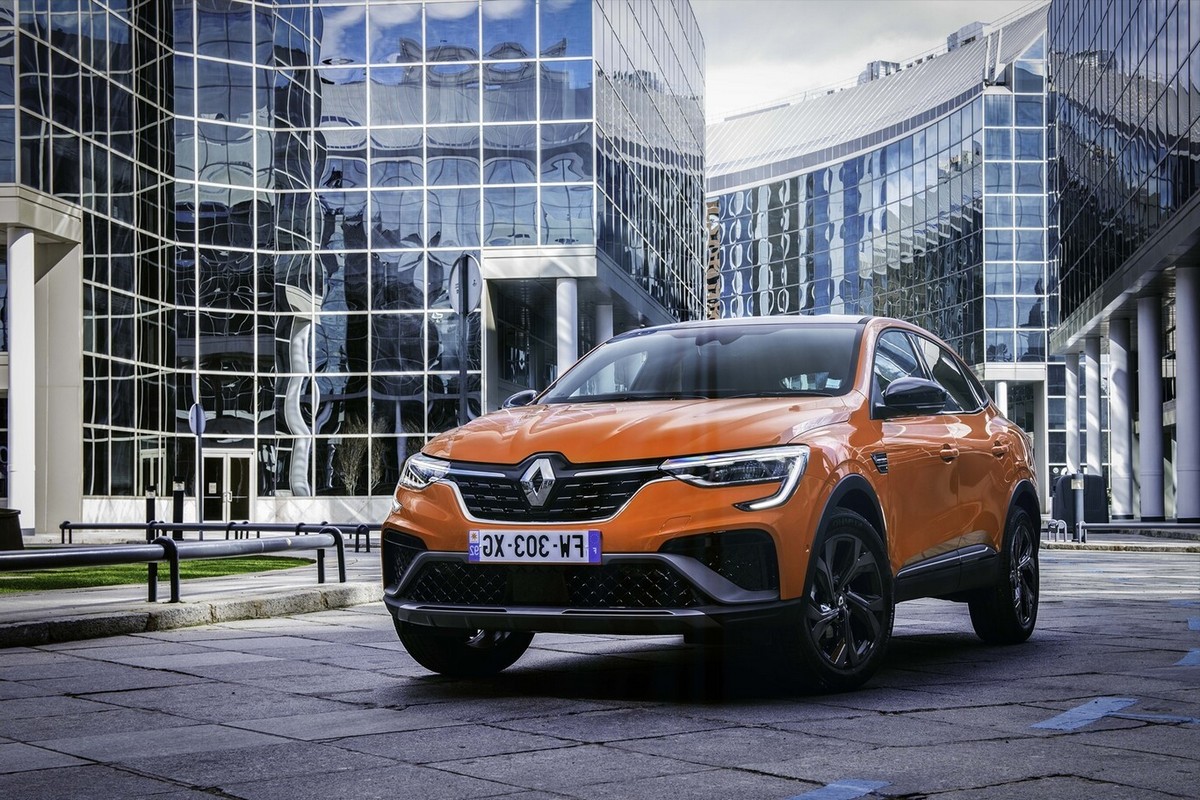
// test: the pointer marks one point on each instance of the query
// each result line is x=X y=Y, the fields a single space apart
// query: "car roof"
x=849 y=320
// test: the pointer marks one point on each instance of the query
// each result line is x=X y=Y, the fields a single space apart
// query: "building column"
x=1001 y=397
x=1095 y=439
x=1120 y=425
x=1150 y=409
x=567 y=297
x=22 y=378
x=1072 y=412
x=604 y=323
x=1187 y=394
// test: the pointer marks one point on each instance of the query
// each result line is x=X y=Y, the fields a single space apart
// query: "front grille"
x=643 y=586
x=573 y=498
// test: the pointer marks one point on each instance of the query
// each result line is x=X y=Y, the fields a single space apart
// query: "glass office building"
x=320 y=232
x=1126 y=99
x=919 y=195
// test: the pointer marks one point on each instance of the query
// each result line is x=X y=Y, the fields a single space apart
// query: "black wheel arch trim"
x=853 y=487
x=1024 y=495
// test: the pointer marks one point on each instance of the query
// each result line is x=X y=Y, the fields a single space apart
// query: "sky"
x=760 y=51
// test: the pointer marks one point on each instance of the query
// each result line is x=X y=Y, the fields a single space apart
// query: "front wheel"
x=462 y=653
x=849 y=606
x=1006 y=612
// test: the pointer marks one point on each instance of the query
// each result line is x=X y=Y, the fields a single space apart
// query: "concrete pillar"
x=1041 y=442
x=1072 y=409
x=604 y=323
x=1002 y=397
x=1187 y=394
x=1150 y=408
x=567 y=297
x=1095 y=439
x=1120 y=423
x=22 y=378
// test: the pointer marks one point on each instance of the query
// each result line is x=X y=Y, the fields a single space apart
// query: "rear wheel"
x=462 y=653
x=1006 y=612
x=849 y=608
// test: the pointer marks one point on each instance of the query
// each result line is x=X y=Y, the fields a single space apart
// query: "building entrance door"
x=228 y=486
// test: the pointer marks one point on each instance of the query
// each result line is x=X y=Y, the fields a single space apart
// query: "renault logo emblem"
x=537 y=482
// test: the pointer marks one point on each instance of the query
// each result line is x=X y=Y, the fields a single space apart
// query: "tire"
x=1007 y=612
x=462 y=653
x=849 y=606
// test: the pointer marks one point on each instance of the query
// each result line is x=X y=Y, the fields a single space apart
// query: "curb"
x=1122 y=548
x=149 y=617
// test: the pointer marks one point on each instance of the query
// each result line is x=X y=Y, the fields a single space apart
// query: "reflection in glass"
x=508 y=29
x=452 y=31
x=566 y=28
x=566 y=88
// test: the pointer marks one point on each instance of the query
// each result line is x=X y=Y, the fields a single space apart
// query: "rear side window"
x=946 y=371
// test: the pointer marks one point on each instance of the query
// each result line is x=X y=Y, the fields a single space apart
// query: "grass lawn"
x=81 y=577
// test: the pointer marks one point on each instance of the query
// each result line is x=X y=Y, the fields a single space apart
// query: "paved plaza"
x=1103 y=702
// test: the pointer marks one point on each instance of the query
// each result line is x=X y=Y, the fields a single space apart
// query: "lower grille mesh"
x=648 y=585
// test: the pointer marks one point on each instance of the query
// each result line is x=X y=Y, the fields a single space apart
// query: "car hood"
x=631 y=431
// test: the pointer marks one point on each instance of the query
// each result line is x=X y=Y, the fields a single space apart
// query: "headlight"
x=784 y=464
x=421 y=470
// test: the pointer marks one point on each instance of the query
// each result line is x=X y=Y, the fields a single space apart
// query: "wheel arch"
x=855 y=493
x=1024 y=496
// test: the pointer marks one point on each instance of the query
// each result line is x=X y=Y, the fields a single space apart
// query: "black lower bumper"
x=652 y=593
x=700 y=620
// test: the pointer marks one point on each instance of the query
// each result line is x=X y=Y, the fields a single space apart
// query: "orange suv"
x=798 y=475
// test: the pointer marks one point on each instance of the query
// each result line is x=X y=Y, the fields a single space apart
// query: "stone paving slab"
x=329 y=705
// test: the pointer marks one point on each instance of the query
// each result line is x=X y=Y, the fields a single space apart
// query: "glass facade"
x=1126 y=77
x=278 y=196
x=943 y=225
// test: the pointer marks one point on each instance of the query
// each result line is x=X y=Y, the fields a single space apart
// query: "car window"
x=713 y=362
x=946 y=371
x=894 y=358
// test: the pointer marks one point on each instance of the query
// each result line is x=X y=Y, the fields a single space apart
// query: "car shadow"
x=701 y=674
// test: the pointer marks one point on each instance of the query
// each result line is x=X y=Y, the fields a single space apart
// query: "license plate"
x=533 y=547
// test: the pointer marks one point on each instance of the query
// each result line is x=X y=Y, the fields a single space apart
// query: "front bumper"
x=643 y=593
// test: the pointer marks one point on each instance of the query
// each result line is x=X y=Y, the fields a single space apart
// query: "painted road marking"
x=1185 y=603
x=842 y=790
x=1192 y=659
x=1086 y=714
x=1194 y=623
x=1102 y=707
x=1158 y=718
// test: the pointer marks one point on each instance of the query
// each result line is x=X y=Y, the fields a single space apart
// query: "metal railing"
x=232 y=530
x=173 y=551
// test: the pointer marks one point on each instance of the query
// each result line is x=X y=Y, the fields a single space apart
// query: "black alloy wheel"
x=1006 y=613
x=849 y=608
x=462 y=653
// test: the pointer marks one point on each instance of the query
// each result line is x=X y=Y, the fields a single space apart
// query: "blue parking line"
x=1194 y=623
x=1185 y=603
x=1085 y=714
x=1192 y=659
x=1158 y=718
x=842 y=790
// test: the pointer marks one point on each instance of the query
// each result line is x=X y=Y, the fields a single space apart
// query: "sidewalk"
x=33 y=618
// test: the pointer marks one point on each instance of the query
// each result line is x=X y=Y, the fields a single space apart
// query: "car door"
x=921 y=494
x=983 y=442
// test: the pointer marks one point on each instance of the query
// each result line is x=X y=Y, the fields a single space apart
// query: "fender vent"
x=881 y=462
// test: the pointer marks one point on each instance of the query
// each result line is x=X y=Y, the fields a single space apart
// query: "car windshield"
x=715 y=362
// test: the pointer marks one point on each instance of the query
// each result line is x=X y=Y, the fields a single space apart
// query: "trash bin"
x=1095 y=500
x=10 y=530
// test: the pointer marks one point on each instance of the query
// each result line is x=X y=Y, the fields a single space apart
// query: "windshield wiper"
x=782 y=393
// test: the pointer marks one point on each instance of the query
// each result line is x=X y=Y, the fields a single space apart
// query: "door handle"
x=948 y=453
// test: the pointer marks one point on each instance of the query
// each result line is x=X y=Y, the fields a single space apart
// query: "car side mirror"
x=913 y=396
x=521 y=398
